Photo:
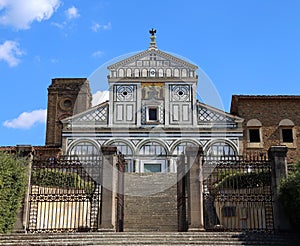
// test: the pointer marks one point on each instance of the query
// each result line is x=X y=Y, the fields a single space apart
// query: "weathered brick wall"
x=152 y=203
x=269 y=110
x=65 y=97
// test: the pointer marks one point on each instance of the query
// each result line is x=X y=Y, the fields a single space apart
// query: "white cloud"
x=99 y=97
x=2 y=3
x=96 y=27
x=27 y=119
x=107 y=26
x=20 y=13
x=10 y=52
x=72 y=13
x=59 y=25
x=98 y=53
x=54 y=60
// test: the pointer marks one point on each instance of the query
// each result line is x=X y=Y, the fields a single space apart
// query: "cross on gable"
x=152 y=31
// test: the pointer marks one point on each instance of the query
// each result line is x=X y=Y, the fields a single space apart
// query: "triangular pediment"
x=162 y=59
x=156 y=63
x=97 y=115
x=210 y=116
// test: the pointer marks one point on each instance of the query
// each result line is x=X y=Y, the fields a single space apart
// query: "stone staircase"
x=150 y=202
x=148 y=238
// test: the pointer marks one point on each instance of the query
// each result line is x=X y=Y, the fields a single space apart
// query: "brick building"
x=66 y=97
x=268 y=121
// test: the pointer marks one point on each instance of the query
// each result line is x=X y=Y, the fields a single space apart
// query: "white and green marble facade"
x=152 y=115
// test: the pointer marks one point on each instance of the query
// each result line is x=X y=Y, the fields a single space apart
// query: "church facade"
x=151 y=116
x=176 y=177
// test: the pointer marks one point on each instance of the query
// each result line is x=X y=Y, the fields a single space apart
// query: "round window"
x=66 y=104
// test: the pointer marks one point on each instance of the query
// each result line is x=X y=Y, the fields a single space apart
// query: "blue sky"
x=244 y=46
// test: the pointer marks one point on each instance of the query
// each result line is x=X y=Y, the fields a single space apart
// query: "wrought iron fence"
x=65 y=194
x=237 y=193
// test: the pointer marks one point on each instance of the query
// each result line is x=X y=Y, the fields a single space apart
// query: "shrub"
x=242 y=180
x=61 y=179
x=290 y=196
x=13 y=179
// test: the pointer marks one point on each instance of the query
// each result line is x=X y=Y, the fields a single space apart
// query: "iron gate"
x=237 y=194
x=65 y=194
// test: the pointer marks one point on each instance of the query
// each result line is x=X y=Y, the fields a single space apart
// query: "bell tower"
x=66 y=97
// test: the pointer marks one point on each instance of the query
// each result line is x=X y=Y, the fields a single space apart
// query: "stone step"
x=150 y=202
x=142 y=238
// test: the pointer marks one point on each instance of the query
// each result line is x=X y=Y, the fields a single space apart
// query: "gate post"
x=181 y=194
x=194 y=160
x=277 y=156
x=107 y=219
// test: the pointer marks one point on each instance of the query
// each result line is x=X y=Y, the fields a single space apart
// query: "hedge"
x=60 y=179
x=242 y=180
x=290 y=196
x=13 y=179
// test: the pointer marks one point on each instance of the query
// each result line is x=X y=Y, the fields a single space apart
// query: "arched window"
x=287 y=133
x=160 y=73
x=128 y=74
x=144 y=72
x=221 y=149
x=184 y=73
x=254 y=134
x=84 y=151
x=153 y=149
x=121 y=73
x=153 y=158
x=136 y=73
x=176 y=72
x=126 y=150
x=181 y=147
x=122 y=147
x=168 y=72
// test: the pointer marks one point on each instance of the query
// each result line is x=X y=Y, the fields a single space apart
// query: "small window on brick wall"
x=287 y=135
x=254 y=135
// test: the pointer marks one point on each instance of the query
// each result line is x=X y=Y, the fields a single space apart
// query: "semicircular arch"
x=155 y=141
x=183 y=142
x=122 y=146
x=221 y=147
x=83 y=147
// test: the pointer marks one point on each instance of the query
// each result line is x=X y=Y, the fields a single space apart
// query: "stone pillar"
x=194 y=160
x=136 y=165
x=171 y=165
x=109 y=180
x=277 y=155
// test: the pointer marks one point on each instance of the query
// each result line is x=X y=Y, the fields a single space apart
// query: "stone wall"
x=150 y=202
x=269 y=110
x=66 y=97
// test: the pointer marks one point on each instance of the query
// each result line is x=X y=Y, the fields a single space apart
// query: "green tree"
x=290 y=196
x=13 y=179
